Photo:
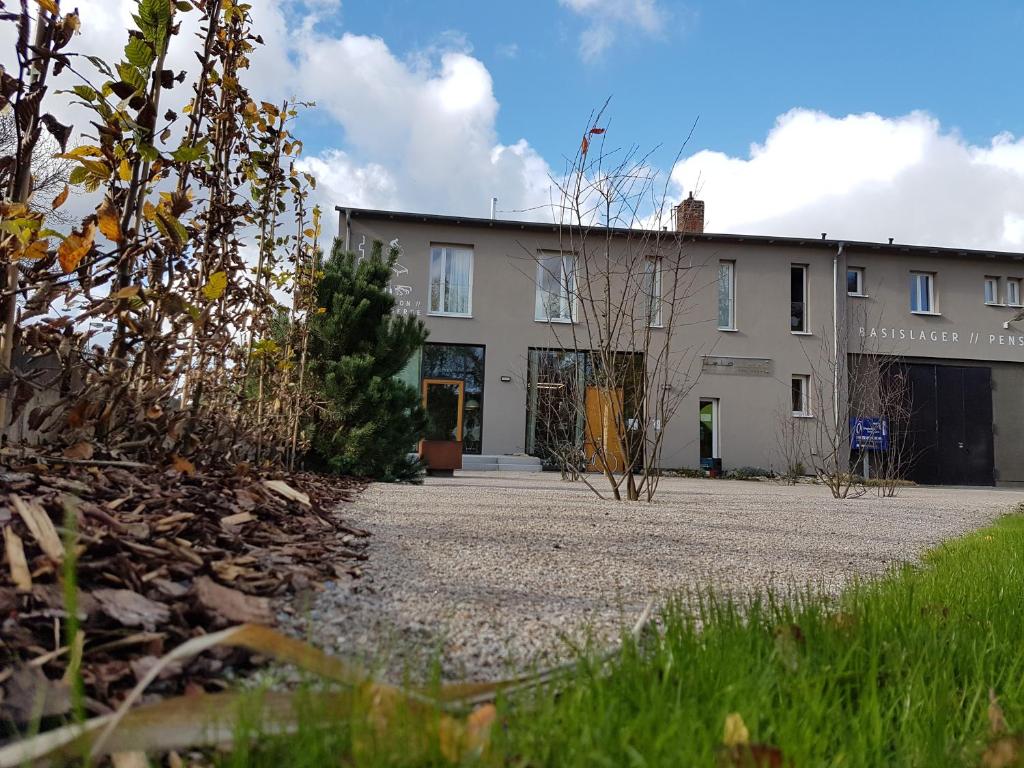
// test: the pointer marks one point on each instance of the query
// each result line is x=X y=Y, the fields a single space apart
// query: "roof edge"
x=720 y=237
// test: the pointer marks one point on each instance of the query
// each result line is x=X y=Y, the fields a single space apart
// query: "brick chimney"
x=690 y=216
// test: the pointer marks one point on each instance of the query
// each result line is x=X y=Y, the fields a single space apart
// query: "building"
x=761 y=315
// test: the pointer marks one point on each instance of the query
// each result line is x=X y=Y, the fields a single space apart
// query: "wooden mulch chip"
x=163 y=555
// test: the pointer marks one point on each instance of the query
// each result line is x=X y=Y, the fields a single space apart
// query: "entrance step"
x=492 y=463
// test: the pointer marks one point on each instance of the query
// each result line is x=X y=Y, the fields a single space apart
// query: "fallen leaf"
x=80 y=451
x=183 y=465
x=1003 y=753
x=233 y=605
x=20 y=574
x=996 y=719
x=736 y=732
x=131 y=609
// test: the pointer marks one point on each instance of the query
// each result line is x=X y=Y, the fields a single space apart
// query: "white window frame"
x=730 y=284
x=992 y=282
x=859 y=271
x=445 y=248
x=805 y=394
x=929 y=280
x=807 y=299
x=1015 y=282
x=567 y=293
x=653 y=273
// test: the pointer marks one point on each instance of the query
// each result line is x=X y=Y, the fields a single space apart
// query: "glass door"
x=708 y=430
x=443 y=403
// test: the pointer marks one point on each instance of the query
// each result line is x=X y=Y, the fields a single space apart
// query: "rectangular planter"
x=441 y=455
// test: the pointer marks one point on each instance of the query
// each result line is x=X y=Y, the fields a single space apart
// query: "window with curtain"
x=451 y=280
x=922 y=292
x=556 y=287
x=652 y=291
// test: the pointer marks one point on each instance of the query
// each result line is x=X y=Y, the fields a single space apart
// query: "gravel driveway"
x=491 y=572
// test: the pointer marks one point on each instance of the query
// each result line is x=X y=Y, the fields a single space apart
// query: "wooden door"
x=603 y=439
x=443 y=402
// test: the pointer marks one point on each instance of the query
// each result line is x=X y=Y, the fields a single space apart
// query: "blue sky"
x=735 y=64
x=865 y=120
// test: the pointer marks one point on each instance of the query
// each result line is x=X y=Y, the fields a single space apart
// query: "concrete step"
x=492 y=463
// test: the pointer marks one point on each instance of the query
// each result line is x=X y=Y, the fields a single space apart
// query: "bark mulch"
x=160 y=556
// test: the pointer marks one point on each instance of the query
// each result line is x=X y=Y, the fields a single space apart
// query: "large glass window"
x=922 y=292
x=572 y=397
x=727 y=295
x=465 y=363
x=556 y=287
x=451 y=280
x=798 y=298
x=652 y=291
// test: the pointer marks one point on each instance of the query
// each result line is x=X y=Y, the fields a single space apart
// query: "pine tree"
x=372 y=420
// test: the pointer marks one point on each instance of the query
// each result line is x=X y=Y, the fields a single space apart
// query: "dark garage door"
x=950 y=430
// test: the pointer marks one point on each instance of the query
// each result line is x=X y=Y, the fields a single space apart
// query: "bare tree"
x=790 y=443
x=853 y=381
x=615 y=295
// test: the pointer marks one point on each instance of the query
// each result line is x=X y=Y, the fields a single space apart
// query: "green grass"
x=895 y=672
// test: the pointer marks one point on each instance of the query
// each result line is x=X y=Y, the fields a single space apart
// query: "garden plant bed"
x=163 y=555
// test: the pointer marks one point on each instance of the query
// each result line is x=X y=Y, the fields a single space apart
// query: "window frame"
x=729 y=264
x=444 y=248
x=570 y=297
x=805 y=331
x=860 y=272
x=993 y=281
x=930 y=278
x=805 y=395
x=1016 y=282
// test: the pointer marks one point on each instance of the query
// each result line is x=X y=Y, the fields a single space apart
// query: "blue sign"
x=869 y=433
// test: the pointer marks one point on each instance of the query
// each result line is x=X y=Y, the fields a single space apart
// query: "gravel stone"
x=485 y=575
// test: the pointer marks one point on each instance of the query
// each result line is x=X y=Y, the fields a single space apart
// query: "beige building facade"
x=764 y=315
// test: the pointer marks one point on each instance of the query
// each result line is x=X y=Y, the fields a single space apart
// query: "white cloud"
x=606 y=19
x=416 y=133
x=865 y=177
x=426 y=130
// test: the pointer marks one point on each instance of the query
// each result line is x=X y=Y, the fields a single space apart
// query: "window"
x=1013 y=291
x=798 y=298
x=652 y=290
x=451 y=280
x=801 y=395
x=855 y=281
x=991 y=290
x=556 y=288
x=465 y=363
x=922 y=293
x=727 y=295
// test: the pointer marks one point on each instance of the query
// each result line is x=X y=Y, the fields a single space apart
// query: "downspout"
x=835 y=332
x=347 y=228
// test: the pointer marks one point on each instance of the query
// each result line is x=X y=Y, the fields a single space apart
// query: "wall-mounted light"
x=506 y=379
